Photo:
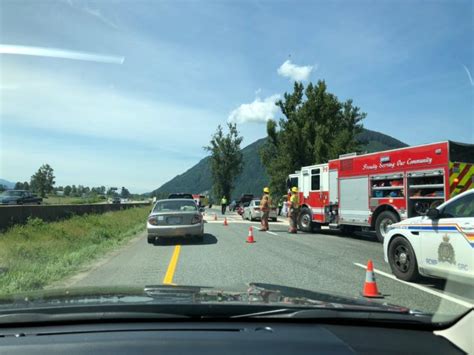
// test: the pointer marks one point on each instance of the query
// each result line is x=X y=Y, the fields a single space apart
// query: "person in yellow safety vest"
x=223 y=204
x=294 y=210
x=265 y=204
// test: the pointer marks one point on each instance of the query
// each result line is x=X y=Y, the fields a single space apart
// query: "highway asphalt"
x=325 y=262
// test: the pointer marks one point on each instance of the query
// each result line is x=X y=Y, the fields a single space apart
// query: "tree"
x=112 y=191
x=124 y=193
x=226 y=159
x=316 y=127
x=18 y=186
x=74 y=191
x=67 y=190
x=2 y=187
x=26 y=186
x=42 y=181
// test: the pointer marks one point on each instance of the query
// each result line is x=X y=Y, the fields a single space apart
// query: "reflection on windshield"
x=347 y=126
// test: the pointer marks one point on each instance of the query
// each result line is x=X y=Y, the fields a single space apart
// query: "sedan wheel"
x=402 y=260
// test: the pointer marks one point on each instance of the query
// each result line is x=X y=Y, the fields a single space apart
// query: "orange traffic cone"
x=225 y=222
x=370 y=285
x=215 y=216
x=250 y=237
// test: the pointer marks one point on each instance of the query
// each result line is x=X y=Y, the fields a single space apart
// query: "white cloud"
x=59 y=53
x=295 y=72
x=468 y=75
x=257 y=111
x=96 y=13
x=69 y=105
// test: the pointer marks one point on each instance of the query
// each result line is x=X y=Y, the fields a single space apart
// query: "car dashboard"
x=220 y=337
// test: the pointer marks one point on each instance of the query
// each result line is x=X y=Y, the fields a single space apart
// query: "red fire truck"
x=372 y=191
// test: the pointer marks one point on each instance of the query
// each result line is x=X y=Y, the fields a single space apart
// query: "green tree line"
x=315 y=128
x=43 y=182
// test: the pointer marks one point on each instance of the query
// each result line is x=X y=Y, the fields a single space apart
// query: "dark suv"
x=180 y=195
x=19 y=197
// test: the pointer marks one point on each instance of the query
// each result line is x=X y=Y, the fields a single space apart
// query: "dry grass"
x=38 y=253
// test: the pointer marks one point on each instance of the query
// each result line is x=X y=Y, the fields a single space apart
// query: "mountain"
x=373 y=141
x=198 y=178
x=8 y=184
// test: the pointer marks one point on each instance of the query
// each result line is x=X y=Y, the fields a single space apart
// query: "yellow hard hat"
x=294 y=189
x=266 y=190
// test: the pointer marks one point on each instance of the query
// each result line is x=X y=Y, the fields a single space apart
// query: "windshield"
x=12 y=193
x=353 y=120
x=173 y=206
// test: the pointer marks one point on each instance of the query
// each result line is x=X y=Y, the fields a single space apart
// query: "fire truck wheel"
x=384 y=219
x=305 y=223
x=402 y=260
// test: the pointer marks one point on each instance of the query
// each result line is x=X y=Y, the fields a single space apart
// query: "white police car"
x=440 y=244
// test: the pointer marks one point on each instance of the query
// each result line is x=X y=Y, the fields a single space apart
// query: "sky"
x=127 y=93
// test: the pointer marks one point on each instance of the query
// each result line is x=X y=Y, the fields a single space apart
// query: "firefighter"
x=265 y=204
x=294 y=210
x=223 y=204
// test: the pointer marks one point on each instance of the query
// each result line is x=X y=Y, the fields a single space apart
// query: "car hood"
x=410 y=221
x=254 y=294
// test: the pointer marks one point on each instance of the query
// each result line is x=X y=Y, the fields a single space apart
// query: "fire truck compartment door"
x=354 y=201
x=305 y=182
x=333 y=188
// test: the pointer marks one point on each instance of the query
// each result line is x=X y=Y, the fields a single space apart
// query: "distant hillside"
x=373 y=141
x=253 y=178
x=8 y=184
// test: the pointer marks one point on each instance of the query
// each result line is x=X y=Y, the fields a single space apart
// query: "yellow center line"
x=168 y=280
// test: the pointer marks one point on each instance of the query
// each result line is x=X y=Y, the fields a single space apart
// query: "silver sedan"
x=175 y=218
x=253 y=212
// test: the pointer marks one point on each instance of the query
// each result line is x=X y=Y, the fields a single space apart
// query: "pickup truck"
x=19 y=197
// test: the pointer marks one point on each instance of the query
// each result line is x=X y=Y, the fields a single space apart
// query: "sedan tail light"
x=196 y=219
x=153 y=221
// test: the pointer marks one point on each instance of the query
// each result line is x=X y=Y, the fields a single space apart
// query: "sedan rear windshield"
x=174 y=206
x=256 y=202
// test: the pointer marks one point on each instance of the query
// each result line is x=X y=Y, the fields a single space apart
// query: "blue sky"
x=175 y=70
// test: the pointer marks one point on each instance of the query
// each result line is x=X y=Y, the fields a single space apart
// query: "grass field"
x=38 y=253
x=66 y=200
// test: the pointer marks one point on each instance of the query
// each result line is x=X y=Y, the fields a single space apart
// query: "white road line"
x=273 y=233
x=422 y=288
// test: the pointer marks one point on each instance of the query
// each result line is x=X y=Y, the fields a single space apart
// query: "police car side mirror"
x=433 y=213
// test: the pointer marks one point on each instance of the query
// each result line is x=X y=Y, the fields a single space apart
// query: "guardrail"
x=11 y=215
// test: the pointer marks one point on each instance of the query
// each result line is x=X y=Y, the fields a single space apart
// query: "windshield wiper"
x=338 y=314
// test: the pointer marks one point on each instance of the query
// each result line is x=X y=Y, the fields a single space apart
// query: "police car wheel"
x=402 y=260
x=384 y=220
x=305 y=220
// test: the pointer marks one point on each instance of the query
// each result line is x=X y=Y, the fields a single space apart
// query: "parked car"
x=440 y=244
x=19 y=197
x=241 y=207
x=253 y=212
x=244 y=198
x=180 y=195
x=116 y=200
x=175 y=218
